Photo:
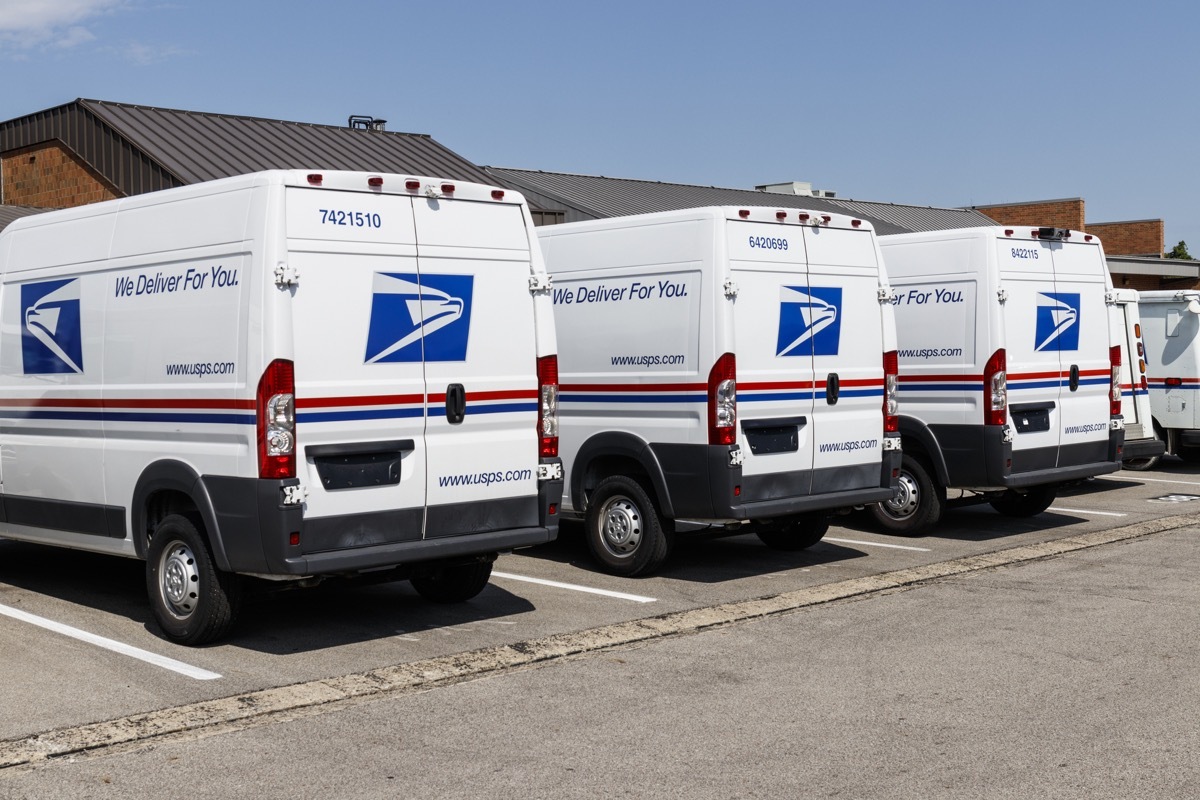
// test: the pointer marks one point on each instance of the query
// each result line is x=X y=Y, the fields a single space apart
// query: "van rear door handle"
x=1074 y=377
x=456 y=403
x=833 y=388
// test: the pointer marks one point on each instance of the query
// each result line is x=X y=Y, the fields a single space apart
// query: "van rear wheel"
x=917 y=504
x=193 y=601
x=623 y=528
x=1141 y=464
x=1029 y=503
x=791 y=534
x=455 y=583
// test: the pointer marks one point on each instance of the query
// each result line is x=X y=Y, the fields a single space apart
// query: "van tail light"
x=275 y=419
x=722 y=401
x=995 y=389
x=1114 y=381
x=891 y=401
x=547 y=421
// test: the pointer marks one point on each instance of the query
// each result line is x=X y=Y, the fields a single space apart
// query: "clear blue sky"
x=931 y=103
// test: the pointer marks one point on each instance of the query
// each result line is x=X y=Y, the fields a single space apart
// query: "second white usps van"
x=720 y=365
x=288 y=375
x=1171 y=332
x=1009 y=384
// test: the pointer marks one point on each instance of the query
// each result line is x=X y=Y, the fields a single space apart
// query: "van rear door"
x=481 y=366
x=843 y=269
x=776 y=318
x=1080 y=280
x=1038 y=321
x=357 y=316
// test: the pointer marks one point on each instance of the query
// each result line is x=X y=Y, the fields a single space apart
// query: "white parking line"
x=876 y=544
x=575 y=588
x=1087 y=511
x=1138 y=477
x=109 y=644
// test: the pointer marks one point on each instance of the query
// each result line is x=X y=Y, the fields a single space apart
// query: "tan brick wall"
x=1141 y=238
x=50 y=176
x=1051 y=214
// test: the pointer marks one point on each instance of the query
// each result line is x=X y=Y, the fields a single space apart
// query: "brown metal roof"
x=141 y=148
x=593 y=197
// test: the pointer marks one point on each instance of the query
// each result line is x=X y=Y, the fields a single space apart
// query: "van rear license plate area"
x=773 y=435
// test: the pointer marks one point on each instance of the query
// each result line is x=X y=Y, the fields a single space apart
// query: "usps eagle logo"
x=51 y=329
x=810 y=321
x=1057 y=321
x=419 y=317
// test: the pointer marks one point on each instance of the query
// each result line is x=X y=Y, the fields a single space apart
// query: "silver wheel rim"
x=620 y=526
x=906 y=499
x=178 y=580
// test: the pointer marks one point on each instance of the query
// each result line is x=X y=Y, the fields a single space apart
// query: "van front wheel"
x=917 y=503
x=792 y=533
x=193 y=601
x=456 y=583
x=1029 y=503
x=623 y=528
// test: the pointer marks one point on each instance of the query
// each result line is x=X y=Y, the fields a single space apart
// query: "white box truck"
x=724 y=366
x=1143 y=447
x=1171 y=332
x=1009 y=383
x=288 y=375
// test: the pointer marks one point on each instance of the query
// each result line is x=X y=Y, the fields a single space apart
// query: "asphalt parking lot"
x=80 y=648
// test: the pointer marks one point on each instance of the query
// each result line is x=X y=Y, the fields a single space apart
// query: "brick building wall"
x=1139 y=238
x=50 y=176
x=1048 y=213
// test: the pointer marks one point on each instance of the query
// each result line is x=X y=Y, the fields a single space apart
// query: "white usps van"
x=1009 y=383
x=1171 y=332
x=1143 y=447
x=720 y=365
x=288 y=375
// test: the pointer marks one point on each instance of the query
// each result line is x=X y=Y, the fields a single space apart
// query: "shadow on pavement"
x=273 y=619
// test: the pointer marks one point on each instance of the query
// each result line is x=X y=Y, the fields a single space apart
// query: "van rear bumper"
x=254 y=530
x=1143 y=448
x=976 y=456
x=701 y=484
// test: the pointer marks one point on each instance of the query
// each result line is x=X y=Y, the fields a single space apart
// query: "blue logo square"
x=810 y=321
x=419 y=317
x=51 y=327
x=1057 y=321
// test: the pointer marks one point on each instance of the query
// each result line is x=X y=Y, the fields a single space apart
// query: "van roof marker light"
x=497 y=194
x=1008 y=232
x=826 y=219
x=803 y=217
x=780 y=215
x=412 y=185
x=315 y=178
x=375 y=182
x=744 y=213
x=447 y=188
x=857 y=223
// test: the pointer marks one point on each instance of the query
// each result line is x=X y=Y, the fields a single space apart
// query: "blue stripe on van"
x=129 y=416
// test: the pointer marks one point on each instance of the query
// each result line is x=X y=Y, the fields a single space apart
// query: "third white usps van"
x=1143 y=446
x=1171 y=332
x=1009 y=383
x=288 y=375
x=720 y=365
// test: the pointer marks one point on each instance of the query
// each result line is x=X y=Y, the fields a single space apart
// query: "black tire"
x=791 y=534
x=624 y=530
x=1029 y=503
x=1141 y=464
x=193 y=601
x=918 y=503
x=454 y=583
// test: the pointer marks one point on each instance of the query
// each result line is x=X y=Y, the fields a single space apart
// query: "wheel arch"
x=168 y=487
x=618 y=453
x=919 y=442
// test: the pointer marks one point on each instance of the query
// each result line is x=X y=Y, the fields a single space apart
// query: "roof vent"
x=364 y=123
x=798 y=188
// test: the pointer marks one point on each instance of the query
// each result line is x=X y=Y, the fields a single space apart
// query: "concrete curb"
x=213 y=716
